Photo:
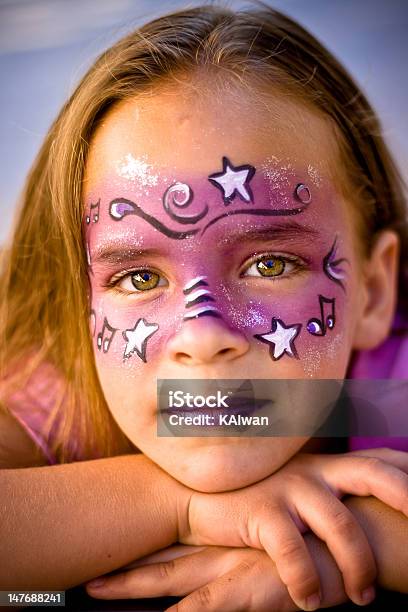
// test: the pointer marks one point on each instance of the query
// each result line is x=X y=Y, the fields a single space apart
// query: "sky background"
x=47 y=45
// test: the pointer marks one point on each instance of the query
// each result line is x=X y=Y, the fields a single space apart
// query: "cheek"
x=319 y=314
x=298 y=335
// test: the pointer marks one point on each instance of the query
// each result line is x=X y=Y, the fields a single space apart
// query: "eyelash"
x=299 y=264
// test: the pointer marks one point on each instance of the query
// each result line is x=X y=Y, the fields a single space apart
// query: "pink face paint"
x=198 y=231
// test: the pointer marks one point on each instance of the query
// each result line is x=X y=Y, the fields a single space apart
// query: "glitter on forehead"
x=278 y=176
x=314 y=175
x=137 y=170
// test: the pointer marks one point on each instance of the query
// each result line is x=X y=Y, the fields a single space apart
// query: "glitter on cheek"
x=335 y=347
x=241 y=312
x=311 y=361
x=314 y=360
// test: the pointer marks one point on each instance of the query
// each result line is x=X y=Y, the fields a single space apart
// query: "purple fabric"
x=389 y=360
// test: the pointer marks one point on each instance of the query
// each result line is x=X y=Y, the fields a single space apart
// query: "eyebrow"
x=122 y=250
x=290 y=230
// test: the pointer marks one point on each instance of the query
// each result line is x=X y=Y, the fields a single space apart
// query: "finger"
x=333 y=523
x=237 y=591
x=285 y=545
x=398 y=459
x=371 y=475
x=172 y=577
x=165 y=554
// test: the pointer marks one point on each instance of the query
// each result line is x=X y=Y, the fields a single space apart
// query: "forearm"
x=387 y=533
x=65 y=524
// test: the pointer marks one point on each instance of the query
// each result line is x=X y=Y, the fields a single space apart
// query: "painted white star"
x=233 y=180
x=136 y=338
x=282 y=338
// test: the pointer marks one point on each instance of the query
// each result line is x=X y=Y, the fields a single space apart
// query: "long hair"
x=44 y=284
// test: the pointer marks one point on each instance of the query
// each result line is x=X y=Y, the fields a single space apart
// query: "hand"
x=217 y=578
x=272 y=514
x=213 y=578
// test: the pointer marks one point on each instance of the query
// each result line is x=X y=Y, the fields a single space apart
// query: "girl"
x=214 y=184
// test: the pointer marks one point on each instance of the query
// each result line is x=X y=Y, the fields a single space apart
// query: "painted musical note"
x=318 y=327
x=105 y=337
x=94 y=216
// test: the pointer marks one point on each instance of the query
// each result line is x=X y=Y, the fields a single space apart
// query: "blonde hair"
x=44 y=306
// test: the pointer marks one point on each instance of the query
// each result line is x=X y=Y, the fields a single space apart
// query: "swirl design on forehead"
x=170 y=197
x=232 y=181
x=120 y=207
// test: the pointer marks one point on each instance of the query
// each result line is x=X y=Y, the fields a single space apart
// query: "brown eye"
x=144 y=280
x=270 y=266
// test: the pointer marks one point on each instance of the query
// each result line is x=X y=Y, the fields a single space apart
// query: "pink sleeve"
x=32 y=404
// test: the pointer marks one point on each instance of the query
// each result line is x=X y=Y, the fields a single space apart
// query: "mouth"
x=241 y=401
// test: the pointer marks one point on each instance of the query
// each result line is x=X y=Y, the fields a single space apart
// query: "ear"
x=378 y=292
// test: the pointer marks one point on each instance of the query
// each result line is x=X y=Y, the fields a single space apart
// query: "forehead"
x=147 y=144
x=185 y=132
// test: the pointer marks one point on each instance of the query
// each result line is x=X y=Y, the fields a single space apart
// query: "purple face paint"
x=318 y=327
x=332 y=266
x=179 y=228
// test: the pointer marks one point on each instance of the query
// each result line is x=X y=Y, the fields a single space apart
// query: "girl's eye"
x=140 y=280
x=271 y=266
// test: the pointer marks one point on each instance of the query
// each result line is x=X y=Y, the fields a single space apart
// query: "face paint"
x=121 y=207
x=196 y=293
x=331 y=266
x=318 y=327
x=233 y=181
x=105 y=337
x=281 y=339
x=170 y=197
x=303 y=194
x=93 y=213
x=173 y=202
x=136 y=338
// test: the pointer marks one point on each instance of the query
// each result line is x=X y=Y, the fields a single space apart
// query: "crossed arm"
x=89 y=518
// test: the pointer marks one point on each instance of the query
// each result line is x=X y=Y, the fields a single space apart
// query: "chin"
x=220 y=468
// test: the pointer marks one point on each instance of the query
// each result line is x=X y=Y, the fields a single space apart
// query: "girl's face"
x=219 y=248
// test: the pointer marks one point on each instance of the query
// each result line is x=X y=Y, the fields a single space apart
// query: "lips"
x=241 y=401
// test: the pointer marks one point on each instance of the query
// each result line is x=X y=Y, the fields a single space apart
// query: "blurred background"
x=47 y=45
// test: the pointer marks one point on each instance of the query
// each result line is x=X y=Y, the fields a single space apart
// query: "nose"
x=206 y=340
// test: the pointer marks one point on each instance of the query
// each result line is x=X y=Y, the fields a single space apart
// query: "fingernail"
x=313 y=602
x=368 y=595
x=95 y=584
